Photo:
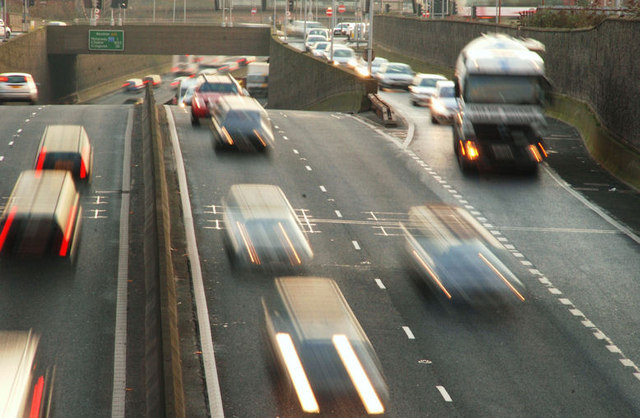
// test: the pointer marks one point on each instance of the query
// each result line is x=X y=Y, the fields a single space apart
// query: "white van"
x=258 y=79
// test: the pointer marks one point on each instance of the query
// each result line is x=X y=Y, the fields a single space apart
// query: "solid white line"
x=596 y=209
x=444 y=393
x=356 y=245
x=407 y=331
x=119 y=389
x=380 y=284
x=202 y=311
x=338 y=214
x=322 y=189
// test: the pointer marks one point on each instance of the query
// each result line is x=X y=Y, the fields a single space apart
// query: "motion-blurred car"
x=209 y=89
x=319 y=32
x=240 y=122
x=262 y=228
x=175 y=83
x=26 y=387
x=318 y=48
x=18 y=87
x=180 y=98
x=5 y=31
x=66 y=147
x=363 y=65
x=154 y=79
x=395 y=75
x=311 y=40
x=344 y=56
x=458 y=257
x=41 y=217
x=423 y=87
x=133 y=85
x=444 y=104
x=341 y=28
x=322 y=353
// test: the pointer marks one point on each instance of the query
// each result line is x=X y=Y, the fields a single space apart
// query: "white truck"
x=258 y=79
x=501 y=88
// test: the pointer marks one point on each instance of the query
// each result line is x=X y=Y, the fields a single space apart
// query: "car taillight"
x=36 y=401
x=7 y=226
x=4 y=79
x=41 y=157
x=126 y=84
x=84 y=160
x=67 y=233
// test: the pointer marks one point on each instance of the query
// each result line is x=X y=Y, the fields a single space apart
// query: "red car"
x=209 y=89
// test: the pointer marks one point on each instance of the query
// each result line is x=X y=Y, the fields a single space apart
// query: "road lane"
x=350 y=187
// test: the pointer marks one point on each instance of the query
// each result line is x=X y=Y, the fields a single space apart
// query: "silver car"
x=423 y=88
x=395 y=75
x=444 y=104
x=18 y=87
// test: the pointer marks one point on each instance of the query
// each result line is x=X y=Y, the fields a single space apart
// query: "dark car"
x=322 y=353
x=42 y=216
x=66 y=147
x=458 y=257
x=240 y=122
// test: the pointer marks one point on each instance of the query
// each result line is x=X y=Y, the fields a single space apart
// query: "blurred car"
x=175 y=83
x=56 y=23
x=297 y=27
x=317 y=50
x=18 y=87
x=319 y=32
x=154 y=79
x=246 y=60
x=341 y=28
x=208 y=71
x=133 y=85
x=66 y=147
x=444 y=104
x=187 y=97
x=458 y=257
x=423 y=87
x=208 y=89
x=312 y=39
x=395 y=75
x=240 y=122
x=363 y=65
x=183 y=87
x=5 y=31
x=262 y=228
x=322 y=353
x=344 y=56
x=42 y=216
x=26 y=387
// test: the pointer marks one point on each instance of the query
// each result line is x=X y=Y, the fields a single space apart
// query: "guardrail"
x=383 y=110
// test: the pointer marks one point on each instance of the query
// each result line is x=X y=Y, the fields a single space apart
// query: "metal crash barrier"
x=383 y=110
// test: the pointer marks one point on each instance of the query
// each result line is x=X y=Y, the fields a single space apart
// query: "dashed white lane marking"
x=356 y=245
x=1 y=157
x=276 y=127
x=286 y=138
x=380 y=284
x=10 y=143
x=307 y=167
x=407 y=331
x=323 y=189
x=338 y=214
x=19 y=130
x=295 y=151
x=444 y=393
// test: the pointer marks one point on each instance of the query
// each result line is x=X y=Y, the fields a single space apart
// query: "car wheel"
x=434 y=120
x=414 y=103
x=194 y=120
x=464 y=165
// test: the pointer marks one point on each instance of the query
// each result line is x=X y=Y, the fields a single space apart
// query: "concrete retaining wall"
x=298 y=80
x=597 y=65
x=62 y=77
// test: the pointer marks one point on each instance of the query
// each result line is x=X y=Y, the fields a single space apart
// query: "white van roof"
x=501 y=54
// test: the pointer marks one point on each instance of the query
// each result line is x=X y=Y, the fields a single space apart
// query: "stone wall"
x=597 y=65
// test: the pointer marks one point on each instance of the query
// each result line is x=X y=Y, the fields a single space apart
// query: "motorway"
x=570 y=349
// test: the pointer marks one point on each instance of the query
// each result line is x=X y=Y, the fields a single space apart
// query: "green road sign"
x=106 y=40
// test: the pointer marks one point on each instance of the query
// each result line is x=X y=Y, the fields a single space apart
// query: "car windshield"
x=398 y=69
x=500 y=89
x=428 y=82
x=447 y=92
x=342 y=53
x=321 y=45
x=218 y=88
